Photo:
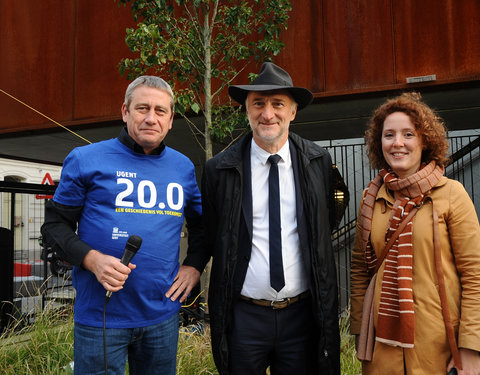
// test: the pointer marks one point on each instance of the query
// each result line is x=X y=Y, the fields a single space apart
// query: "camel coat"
x=460 y=247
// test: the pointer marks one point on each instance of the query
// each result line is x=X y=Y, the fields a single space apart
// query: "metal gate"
x=27 y=284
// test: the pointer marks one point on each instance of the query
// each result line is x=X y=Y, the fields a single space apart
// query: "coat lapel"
x=247 y=191
x=302 y=227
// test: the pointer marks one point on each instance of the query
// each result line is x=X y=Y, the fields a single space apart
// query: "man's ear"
x=171 y=121
x=294 y=111
x=124 y=111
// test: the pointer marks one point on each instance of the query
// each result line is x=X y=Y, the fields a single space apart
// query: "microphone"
x=133 y=245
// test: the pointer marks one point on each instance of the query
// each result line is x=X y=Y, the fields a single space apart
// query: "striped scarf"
x=396 y=315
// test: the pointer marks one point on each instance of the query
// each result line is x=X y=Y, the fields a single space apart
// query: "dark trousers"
x=284 y=339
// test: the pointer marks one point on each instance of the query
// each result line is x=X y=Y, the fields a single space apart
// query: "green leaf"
x=195 y=108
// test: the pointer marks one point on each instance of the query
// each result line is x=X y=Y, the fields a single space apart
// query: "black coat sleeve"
x=59 y=231
x=199 y=254
x=196 y=253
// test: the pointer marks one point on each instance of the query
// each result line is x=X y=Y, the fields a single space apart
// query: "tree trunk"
x=207 y=82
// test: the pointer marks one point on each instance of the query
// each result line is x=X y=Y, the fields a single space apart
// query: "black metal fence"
x=27 y=283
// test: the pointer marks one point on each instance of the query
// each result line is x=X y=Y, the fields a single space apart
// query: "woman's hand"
x=470 y=362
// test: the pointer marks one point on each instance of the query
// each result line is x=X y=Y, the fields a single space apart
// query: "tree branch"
x=226 y=83
x=195 y=131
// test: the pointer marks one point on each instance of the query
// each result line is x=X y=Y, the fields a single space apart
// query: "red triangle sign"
x=47 y=180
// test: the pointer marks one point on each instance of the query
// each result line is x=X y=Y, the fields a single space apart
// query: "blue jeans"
x=150 y=350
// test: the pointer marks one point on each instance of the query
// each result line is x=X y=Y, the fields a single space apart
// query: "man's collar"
x=131 y=144
x=263 y=155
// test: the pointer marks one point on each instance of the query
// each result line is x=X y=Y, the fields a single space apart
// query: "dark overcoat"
x=228 y=239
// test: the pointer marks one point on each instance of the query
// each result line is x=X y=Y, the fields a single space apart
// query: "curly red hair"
x=430 y=126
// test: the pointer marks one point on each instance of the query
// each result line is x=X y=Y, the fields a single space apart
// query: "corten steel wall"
x=61 y=56
x=352 y=46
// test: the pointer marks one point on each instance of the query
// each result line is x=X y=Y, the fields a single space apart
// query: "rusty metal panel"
x=433 y=38
x=36 y=54
x=100 y=45
x=302 y=56
x=358 y=44
x=61 y=57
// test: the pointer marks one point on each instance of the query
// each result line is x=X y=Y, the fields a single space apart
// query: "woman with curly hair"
x=418 y=240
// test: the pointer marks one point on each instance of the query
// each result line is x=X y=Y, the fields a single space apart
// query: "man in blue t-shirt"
x=110 y=190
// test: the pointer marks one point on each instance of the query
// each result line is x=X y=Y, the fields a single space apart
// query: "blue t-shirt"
x=125 y=193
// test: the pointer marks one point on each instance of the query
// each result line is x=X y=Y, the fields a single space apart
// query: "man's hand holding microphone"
x=109 y=271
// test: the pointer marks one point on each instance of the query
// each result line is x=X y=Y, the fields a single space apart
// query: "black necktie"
x=277 y=280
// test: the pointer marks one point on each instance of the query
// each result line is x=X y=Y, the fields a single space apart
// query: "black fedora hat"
x=271 y=77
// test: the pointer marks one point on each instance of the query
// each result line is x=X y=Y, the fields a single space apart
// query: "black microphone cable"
x=105 y=360
x=133 y=245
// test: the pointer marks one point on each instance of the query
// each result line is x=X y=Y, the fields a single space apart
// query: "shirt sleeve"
x=59 y=231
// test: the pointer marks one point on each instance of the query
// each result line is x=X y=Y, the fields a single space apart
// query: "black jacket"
x=222 y=190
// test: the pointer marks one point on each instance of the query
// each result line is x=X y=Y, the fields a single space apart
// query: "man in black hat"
x=268 y=205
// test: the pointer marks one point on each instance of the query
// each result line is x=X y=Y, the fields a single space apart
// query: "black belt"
x=279 y=304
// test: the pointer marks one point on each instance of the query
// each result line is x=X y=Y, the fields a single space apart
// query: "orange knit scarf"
x=396 y=315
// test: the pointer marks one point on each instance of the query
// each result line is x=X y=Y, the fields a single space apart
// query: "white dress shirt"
x=257 y=280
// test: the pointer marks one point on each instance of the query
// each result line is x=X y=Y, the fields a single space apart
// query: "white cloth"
x=257 y=280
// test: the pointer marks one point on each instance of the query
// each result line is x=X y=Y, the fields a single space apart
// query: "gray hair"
x=149 y=81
